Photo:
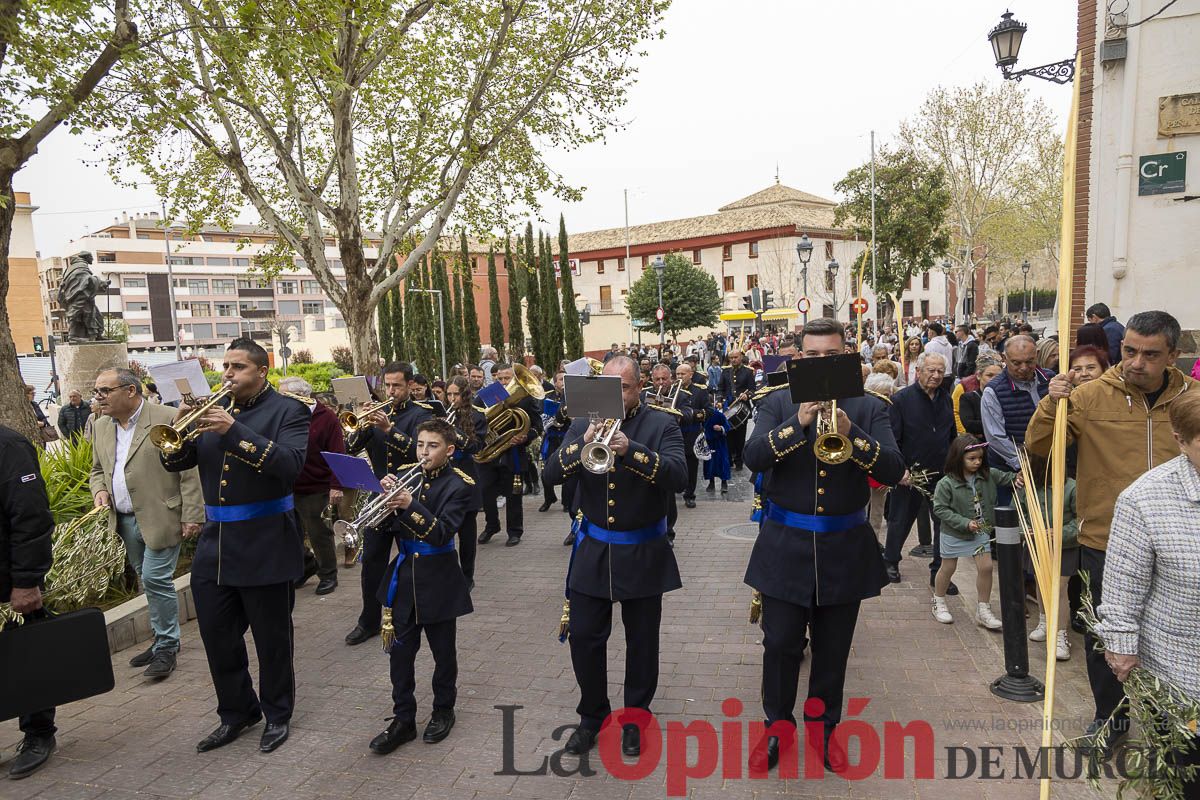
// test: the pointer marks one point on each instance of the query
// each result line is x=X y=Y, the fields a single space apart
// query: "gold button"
x=222 y=499
x=820 y=491
x=416 y=555
x=612 y=503
x=224 y=483
x=612 y=519
x=612 y=486
x=227 y=468
x=236 y=410
x=612 y=469
x=823 y=473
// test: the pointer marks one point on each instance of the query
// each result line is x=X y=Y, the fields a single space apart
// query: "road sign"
x=285 y=351
x=859 y=306
x=803 y=305
x=658 y=315
x=1162 y=174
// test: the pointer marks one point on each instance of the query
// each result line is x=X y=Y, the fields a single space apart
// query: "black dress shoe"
x=546 y=505
x=835 y=757
x=162 y=665
x=712 y=487
x=512 y=541
x=31 y=754
x=893 y=573
x=275 y=734
x=359 y=635
x=689 y=502
x=143 y=658
x=487 y=535
x=309 y=571
x=570 y=540
x=326 y=585
x=724 y=487
x=580 y=742
x=396 y=734
x=763 y=759
x=225 y=734
x=440 y=723
x=631 y=740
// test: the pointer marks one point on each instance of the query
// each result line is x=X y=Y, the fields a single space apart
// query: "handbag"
x=53 y=660
x=48 y=434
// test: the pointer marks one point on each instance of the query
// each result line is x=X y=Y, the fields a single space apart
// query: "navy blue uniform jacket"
x=388 y=451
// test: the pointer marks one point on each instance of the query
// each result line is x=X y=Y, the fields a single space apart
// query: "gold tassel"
x=387 y=631
x=755 y=607
x=564 y=622
x=517 y=486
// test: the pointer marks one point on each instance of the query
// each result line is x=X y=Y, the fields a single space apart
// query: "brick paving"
x=139 y=740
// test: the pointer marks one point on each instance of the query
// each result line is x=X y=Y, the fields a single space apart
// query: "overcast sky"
x=734 y=89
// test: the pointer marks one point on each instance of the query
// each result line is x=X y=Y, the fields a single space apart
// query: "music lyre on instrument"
x=376 y=509
x=171 y=438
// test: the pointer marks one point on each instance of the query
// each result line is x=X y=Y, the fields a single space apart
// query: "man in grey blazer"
x=154 y=508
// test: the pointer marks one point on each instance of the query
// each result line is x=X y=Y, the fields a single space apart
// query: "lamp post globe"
x=804 y=250
x=1006 y=40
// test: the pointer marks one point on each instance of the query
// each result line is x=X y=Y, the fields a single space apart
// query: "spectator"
x=1087 y=363
x=883 y=386
x=1119 y=424
x=1047 y=353
x=1150 y=614
x=1008 y=403
x=968 y=395
x=968 y=349
x=885 y=366
x=612 y=353
x=45 y=429
x=487 y=361
x=714 y=374
x=912 y=353
x=1114 y=331
x=477 y=377
x=940 y=343
x=89 y=427
x=74 y=415
x=152 y=394
x=1092 y=334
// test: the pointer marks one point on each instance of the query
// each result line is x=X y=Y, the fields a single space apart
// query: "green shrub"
x=319 y=374
x=343 y=357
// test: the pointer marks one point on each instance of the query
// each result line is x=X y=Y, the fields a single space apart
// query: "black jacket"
x=923 y=427
x=257 y=460
x=431 y=588
x=970 y=354
x=692 y=404
x=516 y=458
x=636 y=493
x=464 y=451
x=71 y=419
x=970 y=411
x=26 y=524
x=388 y=451
x=734 y=382
x=805 y=567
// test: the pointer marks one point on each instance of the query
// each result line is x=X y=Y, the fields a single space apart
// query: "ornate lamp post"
x=946 y=267
x=1025 y=267
x=832 y=267
x=659 y=266
x=1006 y=40
x=804 y=253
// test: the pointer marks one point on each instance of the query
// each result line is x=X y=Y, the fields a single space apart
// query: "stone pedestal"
x=78 y=364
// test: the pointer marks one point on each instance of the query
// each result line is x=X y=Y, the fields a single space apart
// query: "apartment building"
x=25 y=299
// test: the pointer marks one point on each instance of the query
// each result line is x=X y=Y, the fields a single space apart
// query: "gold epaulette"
x=882 y=397
x=423 y=405
x=467 y=478
x=766 y=390
x=308 y=401
x=665 y=409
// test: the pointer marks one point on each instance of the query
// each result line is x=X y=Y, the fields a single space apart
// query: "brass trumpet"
x=598 y=455
x=353 y=422
x=376 y=509
x=171 y=438
x=830 y=446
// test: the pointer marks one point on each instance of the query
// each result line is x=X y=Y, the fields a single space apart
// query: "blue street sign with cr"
x=1162 y=174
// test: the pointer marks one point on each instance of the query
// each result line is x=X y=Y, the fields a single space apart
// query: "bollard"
x=1015 y=683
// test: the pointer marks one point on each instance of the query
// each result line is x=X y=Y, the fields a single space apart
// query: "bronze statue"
x=77 y=297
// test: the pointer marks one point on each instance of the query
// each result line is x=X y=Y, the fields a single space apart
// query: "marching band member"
x=737 y=383
x=556 y=423
x=655 y=396
x=693 y=402
x=503 y=475
x=470 y=426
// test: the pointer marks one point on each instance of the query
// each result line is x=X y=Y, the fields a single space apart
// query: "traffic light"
x=766 y=300
x=37 y=344
x=756 y=300
x=585 y=316
x=747 y=303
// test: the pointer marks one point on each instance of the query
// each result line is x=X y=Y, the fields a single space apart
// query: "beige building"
x=749 y=242
x=25 y=300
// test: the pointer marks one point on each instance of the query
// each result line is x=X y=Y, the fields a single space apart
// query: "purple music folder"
x=352 y=472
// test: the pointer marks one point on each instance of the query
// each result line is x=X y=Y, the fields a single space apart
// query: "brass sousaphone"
x=505 y=421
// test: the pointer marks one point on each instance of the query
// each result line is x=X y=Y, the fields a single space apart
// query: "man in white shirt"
x=939 y=344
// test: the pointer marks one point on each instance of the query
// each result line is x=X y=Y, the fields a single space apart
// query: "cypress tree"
x=554 y=344
x=412 y=313
x=572 y=328
x=454 y=307
x=533 y=308
x=466 y=293
x=384 y=323
x=516 y=331
x=449 y=326
x=399 y=351
x=495 y=324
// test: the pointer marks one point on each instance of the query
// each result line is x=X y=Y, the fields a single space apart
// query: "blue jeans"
x=156 y=568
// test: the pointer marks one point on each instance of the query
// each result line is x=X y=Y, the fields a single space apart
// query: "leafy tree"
x=495 y=324
x=338 y=117
x=384 y=320
x=911 y=200
x=516 y=333
x=53 y=55
x=534 y=313
x=691 y=298
x=572 y=328
x=550 y=309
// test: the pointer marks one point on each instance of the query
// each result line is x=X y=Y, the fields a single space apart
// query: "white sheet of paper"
x=165 y=375
x=351 y=391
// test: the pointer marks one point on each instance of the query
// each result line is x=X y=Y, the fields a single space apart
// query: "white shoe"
x=1038 y=634
x=940 y=612
x=1063 y=647
x=987 y=619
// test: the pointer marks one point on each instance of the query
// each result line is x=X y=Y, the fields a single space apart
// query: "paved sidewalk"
x=139 y=740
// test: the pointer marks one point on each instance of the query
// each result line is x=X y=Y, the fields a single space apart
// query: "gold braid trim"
x=256 y=465
x=780 y=454
x=874 y=458
x=653 y=472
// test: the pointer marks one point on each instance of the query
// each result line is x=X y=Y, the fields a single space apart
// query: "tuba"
x=830 y=446
x=171 y=438
x=505 y=421
x=353 y=422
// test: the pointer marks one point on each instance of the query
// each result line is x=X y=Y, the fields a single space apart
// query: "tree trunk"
x=358 y=310
x=15 y=413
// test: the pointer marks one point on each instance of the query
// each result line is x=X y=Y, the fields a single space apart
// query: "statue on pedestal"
x=77 y=297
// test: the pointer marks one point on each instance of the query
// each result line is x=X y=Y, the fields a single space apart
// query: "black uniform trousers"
x=376 y=552
x=905 y=506
x=568 y=488
x=1107 y=691
x=468 y=544
x=591 y=625
x=497 y=481
x=224 y=613
x=784 y=627
x=736 y=439
x=403 y=658
x=693 y=464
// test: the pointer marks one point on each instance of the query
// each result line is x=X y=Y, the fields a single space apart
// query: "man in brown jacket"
x=1120 y=426
x=154 y=508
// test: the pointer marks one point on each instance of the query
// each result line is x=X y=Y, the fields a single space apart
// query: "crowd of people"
x=936 y=439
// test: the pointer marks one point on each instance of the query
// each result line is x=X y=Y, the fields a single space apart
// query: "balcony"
x=268 y=292
x=258 y=313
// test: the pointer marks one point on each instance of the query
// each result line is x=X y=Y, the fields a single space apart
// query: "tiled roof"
x=778 y=194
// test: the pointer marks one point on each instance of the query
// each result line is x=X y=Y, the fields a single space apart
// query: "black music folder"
x=827 y=378
x=53 y=661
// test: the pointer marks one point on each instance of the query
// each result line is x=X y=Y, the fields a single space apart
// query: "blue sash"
x=810 y=522
x=410 y=547
x=246 y=511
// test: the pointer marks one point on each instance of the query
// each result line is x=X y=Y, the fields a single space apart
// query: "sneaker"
x=987 y=619
x=162 y=665
x=1038 y=634
x=940 y=612
x=1063 y=647
x=143 y=658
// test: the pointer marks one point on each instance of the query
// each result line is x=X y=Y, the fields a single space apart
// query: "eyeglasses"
x=105 y=391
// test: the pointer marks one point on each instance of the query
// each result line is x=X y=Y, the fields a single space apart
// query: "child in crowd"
x=1040 y=469
x=715 y=428
x=426 y=590
x=965 y=502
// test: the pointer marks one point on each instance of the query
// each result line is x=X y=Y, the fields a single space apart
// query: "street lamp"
x=1025 y=267
x=946 y=267
x=832 y=267
x=1006 y=40
x=659 y=266
x=804 y=253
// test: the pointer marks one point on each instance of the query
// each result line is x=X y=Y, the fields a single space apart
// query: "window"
x=252 y=283
x=106 y=258
x=135 y=283
x=218 y=261
x=183 y=260
x=201 y=309
x=754 y=249
x=310 y=287
x=241 y=262
x=143 y=236
x=728 y=284
x=645 y=261
x=226 y=309
x=600 y=266
x=314 y=307
x=301 y=263
x=727 y=252
x=229 y=330
x=925 y=309
x=139 y=330
x=828 y=311
x=620 y=264
x=336 y=263
x=224 y=286
x=202 y=330
x=339 y=323
x=318 y=324
x=137 y=306
x=908 y=287
x=198 y=285
x=287 y=287
x=180 y=283
x=925 y=280
x=751 y=281
x=696 y=256
x=606 y=298
x=907 y=309
x=289 y=307
x=828 y=249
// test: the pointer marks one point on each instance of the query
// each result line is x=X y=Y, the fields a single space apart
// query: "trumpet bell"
x=166 y=439
x=597 y=457
x=832 y=448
